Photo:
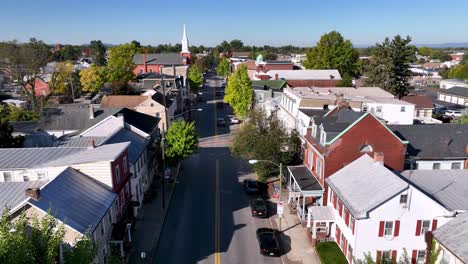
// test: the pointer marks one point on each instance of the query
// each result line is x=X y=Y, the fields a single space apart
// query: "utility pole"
x=164 y=144
x=281 y=192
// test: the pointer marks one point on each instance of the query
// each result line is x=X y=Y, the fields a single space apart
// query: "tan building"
x=152 y=105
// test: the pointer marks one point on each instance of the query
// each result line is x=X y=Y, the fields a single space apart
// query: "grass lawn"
x=330 y=253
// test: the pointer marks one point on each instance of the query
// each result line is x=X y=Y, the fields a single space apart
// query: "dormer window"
x=323 y=137
x=366 y=149
x=314 y=130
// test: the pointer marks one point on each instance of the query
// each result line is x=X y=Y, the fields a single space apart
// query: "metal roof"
x=456 y=90
x=12 y=194
x=78 y=141
x=365 y=184
x=159 y=59
x=306 y=74
x=102 y=153
x=75 y=199
x=454 y=236
x=448 y=187
x=18 y=158
x=137 y=143
x=321 y=213
x=304 y=178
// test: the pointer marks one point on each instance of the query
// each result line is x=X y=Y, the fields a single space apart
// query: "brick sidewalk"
x=149 y=224
x=295 y=236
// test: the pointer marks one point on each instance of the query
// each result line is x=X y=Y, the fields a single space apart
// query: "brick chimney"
x=91 y=111
x=379 y=157
x=91 y=144
x=276 y=76
x=120 y=116
x=144 y=63
x=34 y=193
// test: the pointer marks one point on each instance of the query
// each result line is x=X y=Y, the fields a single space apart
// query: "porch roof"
x=321 y=213
x=304 y=179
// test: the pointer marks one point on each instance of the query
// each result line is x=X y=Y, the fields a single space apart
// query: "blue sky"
x=256 y=22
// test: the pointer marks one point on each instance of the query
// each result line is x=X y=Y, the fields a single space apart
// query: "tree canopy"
x=390 y=65
x=62 y=79
x=98 y=52
x=223 y=68
x=120 y=65
x=93 y=78
x=264 y=138
x=335 y=52
x=181 y=140
x=195 y=78
x=239 y=92
x=460 y=71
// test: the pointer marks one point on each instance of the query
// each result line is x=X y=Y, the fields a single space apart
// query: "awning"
x=304 y=179
x=321 y=213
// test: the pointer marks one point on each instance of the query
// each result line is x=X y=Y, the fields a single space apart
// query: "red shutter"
x=341 y=208
x=350 y=255
x=394 y=256
x=345 y=249
x=379 y=256
x=413 y=257
x=334 y=200
x=354 y=224
x=381 y=228
x=434 y=224
x=338 y=235
x=418 y=228
x=347 y=217
x=397 y=228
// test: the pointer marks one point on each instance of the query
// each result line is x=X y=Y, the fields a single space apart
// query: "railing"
x=325 y=239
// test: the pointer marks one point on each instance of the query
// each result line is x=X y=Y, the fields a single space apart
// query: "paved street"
x=209 y=219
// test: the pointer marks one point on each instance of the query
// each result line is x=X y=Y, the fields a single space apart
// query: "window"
x=309 y=158
x=141 y=70
x=364 y=108
x=158 y=115
x=117 y=174
x=151 y=70
x=350 y=252
x=403 y=199
x=323 y=137
x=314 y=130
x=426 y=225
x=386 y=256
x=445 y=257
x=152 y=105
x=436 y=166
x=7 y=177
x=456 y=166
x=403 y=109
x=26 y=178
x=318 y=168
x=388 y=231
x=125 y=169
x=379 y=109
x=41 y=175
x=351 y=222
x=426 y=113
x=421 y=256
x=366 y=149
x=342 y=241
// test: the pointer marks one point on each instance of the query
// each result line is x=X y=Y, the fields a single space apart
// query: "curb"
x=168 y=206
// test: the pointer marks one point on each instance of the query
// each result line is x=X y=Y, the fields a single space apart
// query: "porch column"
x=308 y=218
x=314 y=230
x=303 y=205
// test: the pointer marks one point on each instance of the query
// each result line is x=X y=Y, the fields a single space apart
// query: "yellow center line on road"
x=217 y=222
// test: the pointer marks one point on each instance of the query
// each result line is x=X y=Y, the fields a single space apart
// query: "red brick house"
x=41 y=88
x=337 y=139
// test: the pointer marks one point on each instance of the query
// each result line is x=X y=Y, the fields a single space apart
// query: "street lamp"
x=197 y=109
x=280 y=166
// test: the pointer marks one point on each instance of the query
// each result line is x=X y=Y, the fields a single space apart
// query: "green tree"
x=335 y=52
x=7 y=140
x=68 y=52
x=120 y=65
x=433 y=253
x=460 y=71
x=389 y=66
x=84 y=251
x=181 y=140
x=263 y=137
x=462 y=120
x=424 y=51
x=444 y=72
x=12 y=113
x=98 y=52
x=93 y=78
x=224 y=68
x=195 y=78
x=62 y=78
x=239 y=92
x=236 y=45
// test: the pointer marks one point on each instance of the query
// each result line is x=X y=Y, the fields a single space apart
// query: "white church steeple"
x=185 y=43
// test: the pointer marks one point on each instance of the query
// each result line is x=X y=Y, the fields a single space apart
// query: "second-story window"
x=318 y=168
x=117 y=174
x=426 y=226
x=314 y=130
x=310 y=158
x=125 y=169
x=403 y=109
x=388 y=231
x=323 y=137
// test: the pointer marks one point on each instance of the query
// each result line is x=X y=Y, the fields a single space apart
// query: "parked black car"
x=221 y=122
x=251 y=186
x=258 y=207
x=268 y=242
x=220 y=104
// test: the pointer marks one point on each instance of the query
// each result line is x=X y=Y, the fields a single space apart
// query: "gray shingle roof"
x=313 y=112
x=12 y=193
x=459 y=91
x=137 y=143
x=17 y=158
x=454 y=236
x=364 y=185
x=160 y=59
x=75 y=199
x=434 y=141
x=304 y=178
x=72 y=118
x=102 y=153
x=78 y=141
x=448 y=187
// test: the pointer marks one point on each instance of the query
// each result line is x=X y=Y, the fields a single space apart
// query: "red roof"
x=421 y=101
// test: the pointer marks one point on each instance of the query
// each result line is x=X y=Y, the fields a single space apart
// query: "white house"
x=372 y=210
x=455 y=95
x=452 y=238
x=449 y=83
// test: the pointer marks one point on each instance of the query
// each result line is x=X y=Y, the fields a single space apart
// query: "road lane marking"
x=215 y=112
x=217 y=222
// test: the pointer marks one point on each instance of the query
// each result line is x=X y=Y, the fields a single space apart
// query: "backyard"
x=330 y=253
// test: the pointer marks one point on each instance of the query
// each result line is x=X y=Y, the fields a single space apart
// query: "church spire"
x=185 y=43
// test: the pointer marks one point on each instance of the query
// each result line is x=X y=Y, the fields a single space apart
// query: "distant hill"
x=440 y=46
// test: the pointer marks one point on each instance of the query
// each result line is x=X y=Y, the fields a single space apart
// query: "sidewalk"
x=148 y=226
x=301 y=251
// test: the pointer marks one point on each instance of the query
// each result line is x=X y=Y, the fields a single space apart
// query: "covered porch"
x=320 y=220
x=304 y=191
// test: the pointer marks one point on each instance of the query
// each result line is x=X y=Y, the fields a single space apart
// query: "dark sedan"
x=251 y=186
x=258 y=207
x=268 y=242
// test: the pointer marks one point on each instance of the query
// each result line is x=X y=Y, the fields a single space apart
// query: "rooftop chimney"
x=91 y=111
x=91 y=144
x=379 y=157
x=144 y=63
x=120 y=116
x=34 y=193
x=276 y=76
